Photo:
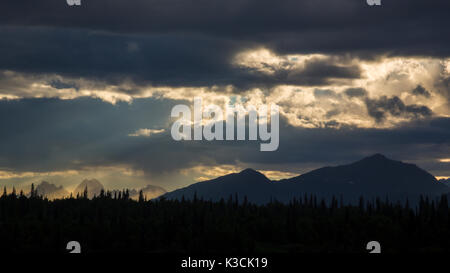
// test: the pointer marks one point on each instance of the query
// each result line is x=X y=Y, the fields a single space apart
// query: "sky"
x=87 y=91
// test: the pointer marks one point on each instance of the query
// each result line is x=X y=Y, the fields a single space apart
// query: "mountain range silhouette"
x=94 y=188
x=51 y=191
x=373 y=176
x=445 y=181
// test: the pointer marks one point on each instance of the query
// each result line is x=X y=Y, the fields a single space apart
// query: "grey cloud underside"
x=50 y=134
x=379 y=108
x=159 y=60
x=421 y=91
x=399 y=27
x=355 y=92
x=192 y=43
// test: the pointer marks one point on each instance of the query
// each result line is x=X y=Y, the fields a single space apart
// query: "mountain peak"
x=44 y=183
x=375 y=159
x=249 y=171
x=372 y=176
x=251 y=174
x=93 y=186
x=51 y=191
x=376 y=156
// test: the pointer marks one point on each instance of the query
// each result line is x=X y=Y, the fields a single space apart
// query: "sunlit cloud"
x=411 y=83
x=202 y=173
x=277 y=175
x=264 y=61
x=146 y=132
x=12 y=174
x=442 y=177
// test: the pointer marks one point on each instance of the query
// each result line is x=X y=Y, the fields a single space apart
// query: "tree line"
x=114 y=222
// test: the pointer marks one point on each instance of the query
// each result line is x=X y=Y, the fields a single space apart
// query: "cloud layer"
x=91 y=87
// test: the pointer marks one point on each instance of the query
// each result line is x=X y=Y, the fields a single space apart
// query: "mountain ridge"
x=371 y=176
x=93 y=187
x=52 y=191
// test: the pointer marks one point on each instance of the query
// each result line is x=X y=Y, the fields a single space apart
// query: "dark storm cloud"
x=320 y=69
x=315 y=72
x=355 y=92
x=397 y=27
x=379 y=108
x=185 y=43
x=421 y=91
x=159 y=60
x=53 y=135
x=58 y=84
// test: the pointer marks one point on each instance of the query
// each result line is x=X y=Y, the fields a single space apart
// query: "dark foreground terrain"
x=117 y=223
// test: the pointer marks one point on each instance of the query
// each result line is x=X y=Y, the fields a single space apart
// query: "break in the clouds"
x=85 y=90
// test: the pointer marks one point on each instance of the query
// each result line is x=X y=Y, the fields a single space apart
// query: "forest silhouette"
x=115 y=223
